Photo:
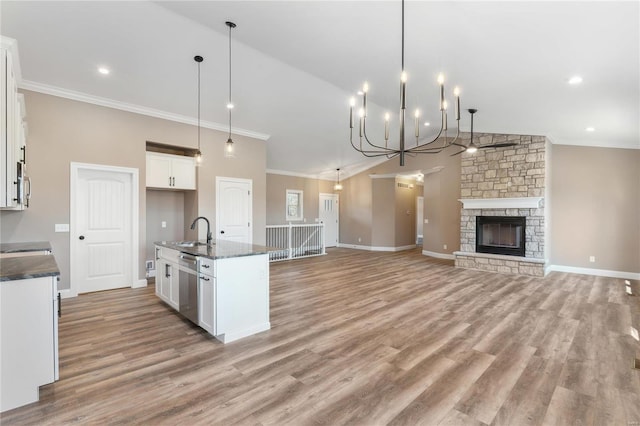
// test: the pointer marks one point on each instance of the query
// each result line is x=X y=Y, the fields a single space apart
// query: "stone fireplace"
x=503 y=197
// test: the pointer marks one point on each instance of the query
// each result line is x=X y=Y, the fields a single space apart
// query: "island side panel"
x=242 y=296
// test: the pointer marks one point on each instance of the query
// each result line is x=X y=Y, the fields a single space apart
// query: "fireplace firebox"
x=501 y=235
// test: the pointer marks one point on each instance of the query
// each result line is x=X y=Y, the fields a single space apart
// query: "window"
x=294 y=204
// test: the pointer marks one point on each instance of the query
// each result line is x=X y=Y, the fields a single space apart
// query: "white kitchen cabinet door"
x=183 y=170
x=169 y=280
x=170 y=171
x=158 y=170
x=206 y=301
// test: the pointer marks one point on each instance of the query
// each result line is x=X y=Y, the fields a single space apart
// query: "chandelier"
x=422 y=146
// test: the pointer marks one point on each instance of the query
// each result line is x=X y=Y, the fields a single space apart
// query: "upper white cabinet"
x=12 y=130
x=170 y=171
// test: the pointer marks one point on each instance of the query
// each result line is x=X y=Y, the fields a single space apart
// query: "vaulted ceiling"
x=297 y=63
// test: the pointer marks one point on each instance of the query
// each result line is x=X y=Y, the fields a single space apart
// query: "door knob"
x=81 y=237
x=222 y=232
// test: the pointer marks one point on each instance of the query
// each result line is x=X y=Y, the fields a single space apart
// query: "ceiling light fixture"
x=472 y=148
x=103 y=70
x=199 y=60
x=377 y=150
x=576 y=79
x=338 y=185
x=228 y=148
x=590 y=129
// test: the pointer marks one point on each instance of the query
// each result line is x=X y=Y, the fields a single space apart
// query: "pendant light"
x=228 y=148
x=338 y=185
x=199 y=60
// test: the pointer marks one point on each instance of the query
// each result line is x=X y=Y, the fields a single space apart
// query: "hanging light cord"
x=198 y=106
x=230 y=26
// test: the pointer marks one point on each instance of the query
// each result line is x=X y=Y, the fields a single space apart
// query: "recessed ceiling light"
x=426 y=123
x=576 y=79
x=103 y=70
x=590 y=129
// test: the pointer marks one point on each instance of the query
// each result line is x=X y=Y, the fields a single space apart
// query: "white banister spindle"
x=295 y=241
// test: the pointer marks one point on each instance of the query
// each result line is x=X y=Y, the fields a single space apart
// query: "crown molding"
x=296 y=174
x=136 y=109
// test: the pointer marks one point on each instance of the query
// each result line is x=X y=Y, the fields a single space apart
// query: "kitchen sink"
x=190 y=244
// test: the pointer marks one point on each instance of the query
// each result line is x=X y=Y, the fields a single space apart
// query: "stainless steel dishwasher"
x=188 y=287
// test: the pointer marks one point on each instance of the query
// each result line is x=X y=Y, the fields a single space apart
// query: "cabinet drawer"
x=206 y=266
x=170 y=255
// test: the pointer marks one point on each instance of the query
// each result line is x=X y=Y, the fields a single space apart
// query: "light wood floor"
x=359 y=338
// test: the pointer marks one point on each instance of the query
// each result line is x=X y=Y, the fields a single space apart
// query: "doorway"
x=329 y=215
x=234 y=209
x=419 y=220
x=103 y=227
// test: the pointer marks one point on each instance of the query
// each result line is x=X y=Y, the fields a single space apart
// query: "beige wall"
x=62 y=131
x=441 y=205
x=277 y=186
x=383 y=212
x=595 y=208
x=164 y=206
x=356 y=214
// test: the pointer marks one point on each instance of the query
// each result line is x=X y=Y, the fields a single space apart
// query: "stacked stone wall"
x=508 y=172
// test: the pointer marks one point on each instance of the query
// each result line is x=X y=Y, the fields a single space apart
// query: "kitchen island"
x=222 y=287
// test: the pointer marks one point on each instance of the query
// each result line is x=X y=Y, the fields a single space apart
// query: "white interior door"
x=329 y=215
x=102 y=229
x=419 y=218
x=234 y=209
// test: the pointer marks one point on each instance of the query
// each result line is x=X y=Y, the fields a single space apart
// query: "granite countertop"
x=25 y=247
x=25 y=267
x=220 y=249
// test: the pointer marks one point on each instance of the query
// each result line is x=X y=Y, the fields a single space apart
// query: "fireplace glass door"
x=500 y=235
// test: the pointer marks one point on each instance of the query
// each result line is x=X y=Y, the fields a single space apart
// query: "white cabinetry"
x=168 y=171
x=167 y=276
x=28 y=339
x=12 y=129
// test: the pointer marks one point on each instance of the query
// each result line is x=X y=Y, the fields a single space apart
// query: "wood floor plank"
x=359 y=338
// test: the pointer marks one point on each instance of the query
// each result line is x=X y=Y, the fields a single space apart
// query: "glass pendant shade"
x=229 y=151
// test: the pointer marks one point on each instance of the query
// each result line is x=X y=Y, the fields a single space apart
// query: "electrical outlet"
x=445 y=246
x=163 y=224
x=426 y=221
x=359 y=239
x=149 y=265
x=592 y=259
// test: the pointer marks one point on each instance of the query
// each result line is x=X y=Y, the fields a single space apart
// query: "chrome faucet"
x=193 y=226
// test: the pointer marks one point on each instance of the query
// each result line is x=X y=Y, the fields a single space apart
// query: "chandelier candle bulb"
x=456 y=93
x=352 y=103
x=361 y=122
x=416 y=125
x=386 y=127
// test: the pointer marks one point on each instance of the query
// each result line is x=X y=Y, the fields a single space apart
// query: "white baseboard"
x=376 y=248
x=438 y=255
x=140 y=283
x=596 y=272
x=235 y=335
